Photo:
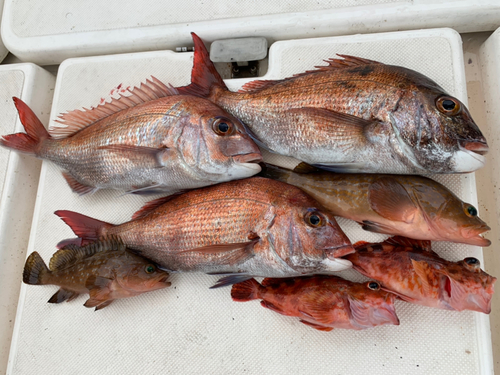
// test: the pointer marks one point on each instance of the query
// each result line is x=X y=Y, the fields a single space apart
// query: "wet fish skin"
x=322 y=302
x=251 y=227
x=105 y=269
x=353 y=115
x=160 y=144
x=405 y=205
x=410 y=269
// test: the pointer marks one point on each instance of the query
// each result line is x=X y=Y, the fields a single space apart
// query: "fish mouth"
x=473 y=236
x=339 y=251
x=465 y=160
x=386 y=314
x=252 y=159
x=479 y=147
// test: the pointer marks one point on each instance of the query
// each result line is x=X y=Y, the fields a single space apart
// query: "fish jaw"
x=339 y=252
x=336 y=264
x=465 y=160
x=248 y=164
x=472 y=236
x=385 y=313
x=467 y=297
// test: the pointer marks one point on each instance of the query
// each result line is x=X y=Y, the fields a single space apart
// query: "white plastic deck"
x=47 y=32
x=190 y=329
x=19 y=176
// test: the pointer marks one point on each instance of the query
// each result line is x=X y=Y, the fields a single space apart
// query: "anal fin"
x=78 y=187
x=316 y=326
x=63 y=295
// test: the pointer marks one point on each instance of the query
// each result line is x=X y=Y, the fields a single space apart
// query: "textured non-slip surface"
x=72 y=16
x=189 y=329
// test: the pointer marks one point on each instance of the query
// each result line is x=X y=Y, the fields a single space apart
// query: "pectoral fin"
x=423 y=270
x=318 y=305
x=390 y=200
x=146 y=156
x=231 y=254
x=99 y=290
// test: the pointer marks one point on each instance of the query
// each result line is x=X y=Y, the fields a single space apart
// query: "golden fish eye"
x=373 y=285
x=314 y=219
x=150 y=268
x=470 y=211
x=448 y=105
x=223 y=126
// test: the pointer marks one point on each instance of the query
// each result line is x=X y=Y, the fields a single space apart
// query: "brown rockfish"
x=104 y=269
x=410 y=206
x=416 y=274
x=148 y=142
x=251 y=227
x=323 y=302
x=352 y=115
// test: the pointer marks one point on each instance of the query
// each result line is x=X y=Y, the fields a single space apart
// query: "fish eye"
x=314 y=219
x=471 y=211
x=150 y=268
x=448 y=105
x=373 y=285
x=222 y=126
x=473 y=262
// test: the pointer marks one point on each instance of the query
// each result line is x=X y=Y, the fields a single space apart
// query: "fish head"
x=449 y=217
x=140 y=275
x=307 y=233
x=434 y=130
x=215 y=145
x=465 y=286
x=371 y=306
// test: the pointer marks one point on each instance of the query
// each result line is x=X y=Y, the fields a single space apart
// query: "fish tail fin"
x=245 y=291
x=35 y=270
x=204 y=76
x=86 y=228
x=30 y=141
x=274 y=172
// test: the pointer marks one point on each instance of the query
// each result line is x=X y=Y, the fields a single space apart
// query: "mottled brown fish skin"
x=107 y=273
x=410 y=206
x=418 y=275
x=323 y=302
x=273 y=229
x=353 y=115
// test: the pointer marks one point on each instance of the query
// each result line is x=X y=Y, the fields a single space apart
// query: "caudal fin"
x=35 y=271
x=30 y=141
x=204 y=76
x=86 y=228
x=245 y=291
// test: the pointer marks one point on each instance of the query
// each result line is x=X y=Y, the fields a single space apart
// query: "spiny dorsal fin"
x=70 y=254
x=408 y=242
x=78 y=119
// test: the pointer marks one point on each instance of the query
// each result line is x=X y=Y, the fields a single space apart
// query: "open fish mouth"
x=339 y=251
x=386 y=314
x=474 y=236
x=253 y=158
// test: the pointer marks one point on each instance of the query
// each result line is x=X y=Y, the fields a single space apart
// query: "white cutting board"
x=19 y=176
x=192 y=330
x=47 y=32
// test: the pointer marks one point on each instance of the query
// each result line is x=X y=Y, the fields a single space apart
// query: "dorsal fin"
x=347 y=61
x=152 y=205
x=71 y=254
x=78 y=119
x=408 y=242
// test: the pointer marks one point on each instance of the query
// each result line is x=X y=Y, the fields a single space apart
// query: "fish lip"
x=479 y=147
x=252 y=158
x=339 y=251
x=475 y=238
x=475 y=153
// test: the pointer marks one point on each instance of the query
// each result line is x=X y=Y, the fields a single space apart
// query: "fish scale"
x=243 y=226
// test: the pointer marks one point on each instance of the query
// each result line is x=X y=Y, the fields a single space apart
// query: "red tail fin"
x=245 y=291
x=36 y=133
x=204 y=75
x=84 y=227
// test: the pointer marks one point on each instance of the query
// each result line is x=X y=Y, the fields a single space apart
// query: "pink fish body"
x=322 y=302
x=418 y=275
